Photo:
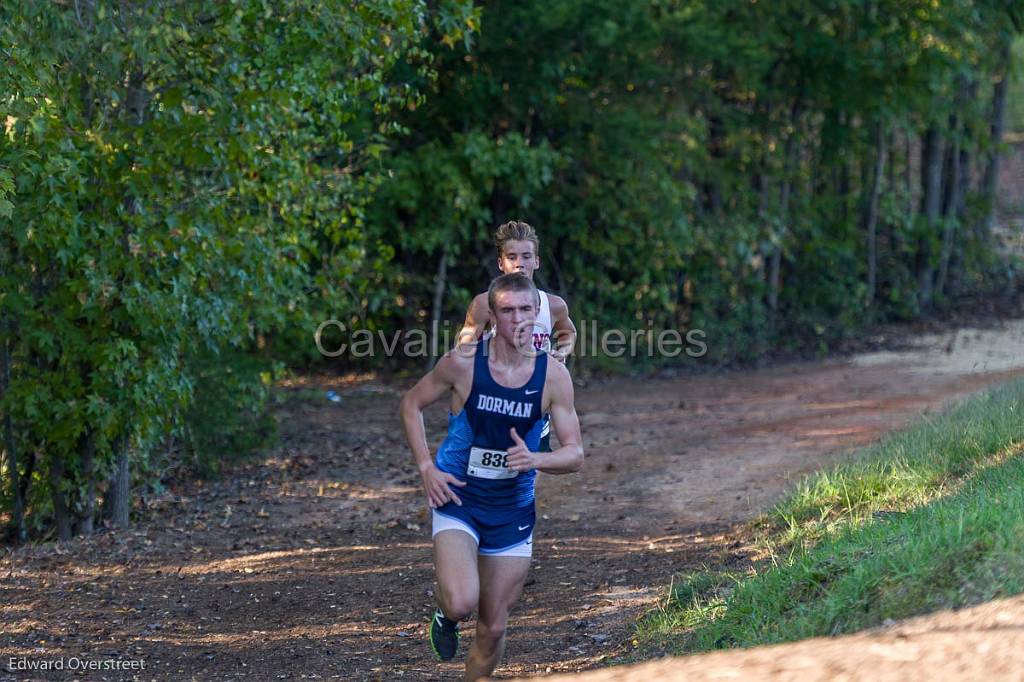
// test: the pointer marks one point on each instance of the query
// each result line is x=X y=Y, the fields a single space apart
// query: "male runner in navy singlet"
x=481 y=487
x=518 y=248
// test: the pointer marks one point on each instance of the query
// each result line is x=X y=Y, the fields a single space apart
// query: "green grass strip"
x=930 y=518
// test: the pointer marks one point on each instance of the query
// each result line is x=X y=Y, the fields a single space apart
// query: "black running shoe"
x=444 y=636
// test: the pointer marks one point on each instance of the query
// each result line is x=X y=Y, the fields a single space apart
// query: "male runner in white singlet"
x=481 y=487
x=518 y=246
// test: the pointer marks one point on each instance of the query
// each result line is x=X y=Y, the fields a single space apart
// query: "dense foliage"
x=176 y=175
x=188 y=188
x=772 y=173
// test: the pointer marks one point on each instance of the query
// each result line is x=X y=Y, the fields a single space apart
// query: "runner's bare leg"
x=501 y=583
x=455 y=567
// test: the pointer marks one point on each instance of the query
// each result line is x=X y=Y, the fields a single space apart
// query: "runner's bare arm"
x=477 y=316
x=565 y=423
x=568 y=458
x=563 y=331
x=428 y=390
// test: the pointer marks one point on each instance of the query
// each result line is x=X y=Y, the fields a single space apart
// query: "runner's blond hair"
x=515 y=231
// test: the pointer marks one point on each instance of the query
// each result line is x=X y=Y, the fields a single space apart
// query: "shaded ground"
x=314 y=563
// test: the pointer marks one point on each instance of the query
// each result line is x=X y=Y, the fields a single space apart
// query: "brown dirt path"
x=314 y=562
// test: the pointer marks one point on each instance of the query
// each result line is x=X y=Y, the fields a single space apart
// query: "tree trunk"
x=871 y=220
x=86 y=507
x=843 y=177
x=118 y=496
x=960 y=210
x=908 y=174
x=17 y=529
x=896 y=227
x=763 y=192
x=956 y=260
x=990 y=183
x=931 y=207
x=969 y=140
x=951 y=199
x=120 y=506
x=440 y=284
x=891 y=144
x=61 y=514
x=775 y=271
x=775 y=278
x=949 y=219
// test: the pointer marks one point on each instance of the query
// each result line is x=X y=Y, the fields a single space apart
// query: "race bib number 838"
x=484 y=463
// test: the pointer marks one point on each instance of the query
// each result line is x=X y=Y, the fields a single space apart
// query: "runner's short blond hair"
x=515 y=231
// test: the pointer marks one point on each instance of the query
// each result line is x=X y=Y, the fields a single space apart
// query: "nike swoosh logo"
x=524 y=527
x=531 y=392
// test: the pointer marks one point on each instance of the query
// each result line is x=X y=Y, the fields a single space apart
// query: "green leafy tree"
x=177 y=170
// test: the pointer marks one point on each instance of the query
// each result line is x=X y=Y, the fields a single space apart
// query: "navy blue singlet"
x=478 y=437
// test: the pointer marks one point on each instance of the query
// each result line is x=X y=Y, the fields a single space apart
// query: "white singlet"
x=542 y=327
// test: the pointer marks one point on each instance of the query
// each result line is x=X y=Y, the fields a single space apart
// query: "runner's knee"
x=459 y=606
x=490 y=633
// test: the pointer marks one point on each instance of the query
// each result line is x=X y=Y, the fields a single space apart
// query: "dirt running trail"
x=314 y=562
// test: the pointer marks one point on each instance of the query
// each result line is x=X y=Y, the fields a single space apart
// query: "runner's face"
x=519 y=256
x=514 y=314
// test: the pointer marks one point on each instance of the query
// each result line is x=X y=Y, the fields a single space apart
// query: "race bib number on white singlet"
x=484 y=463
